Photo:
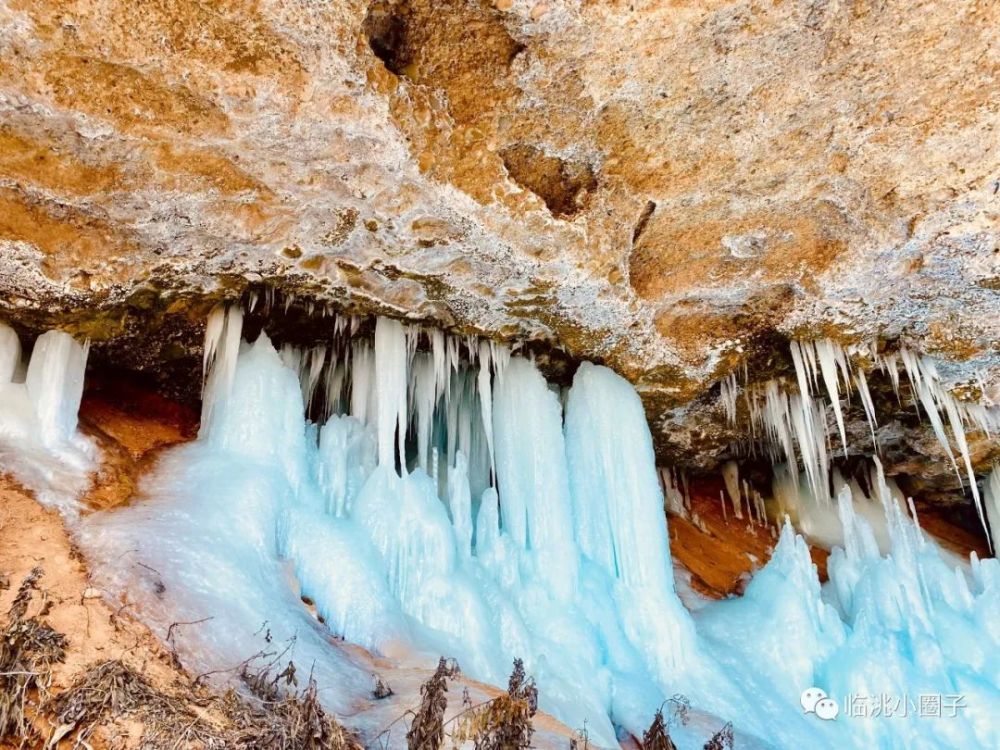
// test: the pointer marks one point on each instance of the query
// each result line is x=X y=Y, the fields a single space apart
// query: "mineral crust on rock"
x=675 y=189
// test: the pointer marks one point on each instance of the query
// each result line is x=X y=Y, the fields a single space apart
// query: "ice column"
x=39 y=442
x=391 y=355
x=618 y=511
x=10 y=354
x=532 y=476
x=55 y=385
x=223 y=334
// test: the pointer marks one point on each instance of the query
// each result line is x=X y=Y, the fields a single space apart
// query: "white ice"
x=39 y=402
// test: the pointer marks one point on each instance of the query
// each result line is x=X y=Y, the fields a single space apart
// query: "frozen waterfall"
x=448 y=500
x=512 y=538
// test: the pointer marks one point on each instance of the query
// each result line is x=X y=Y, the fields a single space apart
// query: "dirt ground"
x=31 y=536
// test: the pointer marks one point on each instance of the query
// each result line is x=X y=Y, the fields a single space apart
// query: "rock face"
x=673 y=188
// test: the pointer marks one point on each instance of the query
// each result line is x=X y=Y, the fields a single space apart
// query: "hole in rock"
x=564 y=186
x=386 y=29
x=460 y=47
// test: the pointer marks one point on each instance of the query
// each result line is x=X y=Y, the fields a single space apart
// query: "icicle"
x=731 y=477
x=336 y=377
x=390 y=390
x=866 y=401
x=317 y=358
x=500 y=356
x=935 y=399
x=809 y=421
x=423 y=400
x=728 y=391
x=363 y=403
x=674 y=501
x=798 y=360
x=291 y=357
x=890 y=363
x=10 y=354
x=225 y=348
x=452 y=407
x=829 y=355
x=486 y=397
x=776 y=418
x=213 y=335
x=925 y=394
x=761 y=510
x=958 y=431
x=412 y=335
x=789 y=420
x=442 y=369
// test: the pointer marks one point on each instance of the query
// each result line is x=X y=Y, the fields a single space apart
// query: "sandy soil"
x=30 y=536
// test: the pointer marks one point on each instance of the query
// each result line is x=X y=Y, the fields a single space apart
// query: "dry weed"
x=505 y=722
x=721 y=740
x=272 y=719
x=657 y=737
x=111 y=690
x=427 y=728
x=28 y=650
x=284 y=719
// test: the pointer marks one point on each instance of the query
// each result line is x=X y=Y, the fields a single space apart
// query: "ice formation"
x=448 y=510
x=39 y=402
x=447 y=501
x=991 y=500
x=742 y=494
x=818 y=517
x=675 y=494
x=794 y=426
x=886 y=636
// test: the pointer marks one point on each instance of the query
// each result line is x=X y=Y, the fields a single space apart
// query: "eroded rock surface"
x=673 y=188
